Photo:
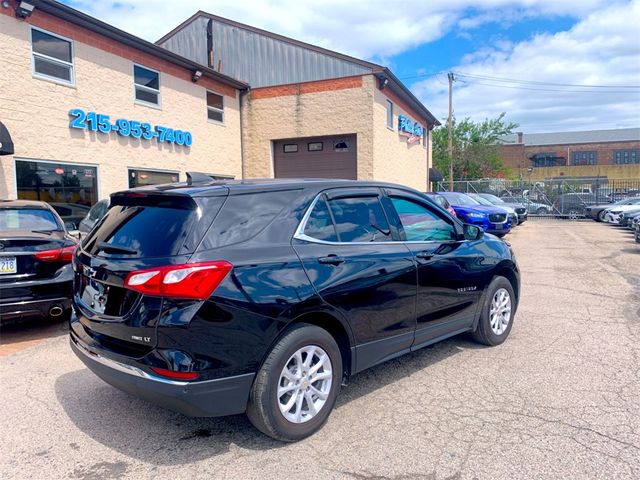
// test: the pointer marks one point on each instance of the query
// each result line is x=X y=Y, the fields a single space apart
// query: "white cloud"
x=364 y=28
x=601 y=49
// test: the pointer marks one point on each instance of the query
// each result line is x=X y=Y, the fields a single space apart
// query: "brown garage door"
x=317 y=157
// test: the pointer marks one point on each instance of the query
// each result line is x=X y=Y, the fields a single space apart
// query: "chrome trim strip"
x=29 y=302
x=299 y=235
x=131 y=370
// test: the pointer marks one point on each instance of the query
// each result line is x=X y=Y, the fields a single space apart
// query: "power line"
x=533 y=82
x=522 y=87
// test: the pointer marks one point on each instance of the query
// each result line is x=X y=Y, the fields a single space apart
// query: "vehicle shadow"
x=149 y=433
x=20 y=335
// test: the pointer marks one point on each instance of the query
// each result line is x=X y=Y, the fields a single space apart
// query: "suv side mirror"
x=471 y=232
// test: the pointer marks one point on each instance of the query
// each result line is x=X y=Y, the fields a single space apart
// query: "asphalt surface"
x=560 y=399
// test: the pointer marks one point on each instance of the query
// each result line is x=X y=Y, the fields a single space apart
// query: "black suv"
x=215 y=298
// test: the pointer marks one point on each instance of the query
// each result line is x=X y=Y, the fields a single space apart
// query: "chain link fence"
x=552 y=199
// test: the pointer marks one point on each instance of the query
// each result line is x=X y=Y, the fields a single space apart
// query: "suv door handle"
x=331 y=259
x=425 y=255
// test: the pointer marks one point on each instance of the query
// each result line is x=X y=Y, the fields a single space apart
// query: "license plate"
x=498 y=226
x=8 y=265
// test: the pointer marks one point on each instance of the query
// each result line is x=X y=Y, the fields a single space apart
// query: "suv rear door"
x=140 y=230
x=346 y=246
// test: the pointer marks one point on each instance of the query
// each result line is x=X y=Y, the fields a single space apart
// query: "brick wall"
x=36 y=113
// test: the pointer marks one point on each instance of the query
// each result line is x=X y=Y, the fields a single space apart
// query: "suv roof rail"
x=198 y=177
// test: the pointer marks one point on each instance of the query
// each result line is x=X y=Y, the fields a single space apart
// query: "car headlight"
x=475 y=215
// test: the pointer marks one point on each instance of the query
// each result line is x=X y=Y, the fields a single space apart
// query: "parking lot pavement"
x=560 y=399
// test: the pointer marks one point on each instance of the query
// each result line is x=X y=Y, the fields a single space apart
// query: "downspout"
x=242 y=96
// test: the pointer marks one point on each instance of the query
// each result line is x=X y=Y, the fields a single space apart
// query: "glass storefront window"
x=70 y=189
x=140 y=178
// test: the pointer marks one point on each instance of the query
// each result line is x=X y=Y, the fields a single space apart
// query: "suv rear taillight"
x=188 y=280
x=64 y=254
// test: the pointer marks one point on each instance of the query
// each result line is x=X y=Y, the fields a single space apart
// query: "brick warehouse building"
x=613 y=154
x=92 y=109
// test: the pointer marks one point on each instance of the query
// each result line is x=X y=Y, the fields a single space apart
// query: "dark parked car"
x=35 y=262
x=96 y=213
x=263 y=295
x=490 y=218
x=70 y=213
x=574 y=205
x=533 y=206
x=597 y=212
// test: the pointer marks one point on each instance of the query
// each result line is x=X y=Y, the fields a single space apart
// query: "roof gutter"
x=78 y=18
x=405 y=94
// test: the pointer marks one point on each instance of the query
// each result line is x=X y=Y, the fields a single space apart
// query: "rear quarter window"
x=244 y=216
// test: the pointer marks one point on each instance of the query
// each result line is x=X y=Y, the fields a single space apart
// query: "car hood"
x=624 y=208
x=484 y=209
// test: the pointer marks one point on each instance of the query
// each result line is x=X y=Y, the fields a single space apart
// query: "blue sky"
x=543 y=62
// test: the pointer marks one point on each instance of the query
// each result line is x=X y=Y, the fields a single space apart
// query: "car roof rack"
x=198 y=177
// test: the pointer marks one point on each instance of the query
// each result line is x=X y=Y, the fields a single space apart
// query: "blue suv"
x=491 y=219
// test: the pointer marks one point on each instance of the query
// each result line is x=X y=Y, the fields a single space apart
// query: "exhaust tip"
x=56 y=311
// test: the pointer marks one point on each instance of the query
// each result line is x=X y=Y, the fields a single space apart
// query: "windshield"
x=460 y=199
x=29 y=219
x=492 y=198
x=480 y=199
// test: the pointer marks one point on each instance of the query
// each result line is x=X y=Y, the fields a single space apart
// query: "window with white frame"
x=147 y=85
x=390 y=114
x=52 y=56
x=215 y=107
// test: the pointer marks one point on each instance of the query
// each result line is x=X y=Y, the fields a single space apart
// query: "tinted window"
x=360 y=219
x=421 y=224
x=51 y=46
x=150 y=231
x=245 y=216
x=27 y=219
x=146 y=78
x=320 y=225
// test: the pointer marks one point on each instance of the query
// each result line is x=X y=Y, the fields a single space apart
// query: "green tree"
x=475 y=148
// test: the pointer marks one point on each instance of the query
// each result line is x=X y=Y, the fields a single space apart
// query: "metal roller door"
x=317 y=157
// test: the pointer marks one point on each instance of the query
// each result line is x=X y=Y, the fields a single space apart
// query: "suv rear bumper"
x=210 y=398
x=33 y=309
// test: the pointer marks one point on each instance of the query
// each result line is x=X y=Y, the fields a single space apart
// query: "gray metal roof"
x=565 y=138
x=261 y=58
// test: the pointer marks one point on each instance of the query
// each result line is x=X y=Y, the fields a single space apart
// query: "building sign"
x=409 y=128
x=98 y=122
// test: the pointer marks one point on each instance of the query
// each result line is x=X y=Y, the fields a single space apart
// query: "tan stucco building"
x=92 y=110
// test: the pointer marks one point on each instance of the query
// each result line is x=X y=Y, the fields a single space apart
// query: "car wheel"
x=297 y=386
x=600 y=216
x=573 y=214
x=497 y=314
x=541 y=211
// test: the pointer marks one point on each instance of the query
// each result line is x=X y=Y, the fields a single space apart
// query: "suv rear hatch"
x=141 y=230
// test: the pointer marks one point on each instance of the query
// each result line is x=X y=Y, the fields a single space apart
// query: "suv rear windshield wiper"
x=110 y=247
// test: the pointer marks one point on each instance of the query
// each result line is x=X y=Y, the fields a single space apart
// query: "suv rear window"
x=146 y=230
x=27 y=219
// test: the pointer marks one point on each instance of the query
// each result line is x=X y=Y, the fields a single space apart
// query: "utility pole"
x=450 y=128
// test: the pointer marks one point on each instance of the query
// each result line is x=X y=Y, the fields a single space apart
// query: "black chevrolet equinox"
x=215 y=298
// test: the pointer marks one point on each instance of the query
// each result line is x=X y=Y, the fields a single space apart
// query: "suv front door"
x=449 y=270
x=346 y=246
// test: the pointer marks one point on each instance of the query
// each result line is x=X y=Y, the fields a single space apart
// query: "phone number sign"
x=99 y=122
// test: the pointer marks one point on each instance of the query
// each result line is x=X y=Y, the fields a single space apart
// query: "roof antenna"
x=198 y=177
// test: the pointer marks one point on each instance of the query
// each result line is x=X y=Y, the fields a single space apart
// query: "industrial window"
x=147 y=85
x=52 y=57
x=626 y=157
x=584 y=158
x=215 y=107
x=315 y=146
x=545 y=159
x=140 y=178
x=290 y=148
x=390 y=114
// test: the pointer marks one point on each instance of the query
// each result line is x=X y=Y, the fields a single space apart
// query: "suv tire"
x=265 y=408
x=492 y=329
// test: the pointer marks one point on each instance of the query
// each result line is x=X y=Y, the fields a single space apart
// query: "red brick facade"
x=307 y=87
x=518 y=156
x=77 y=33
